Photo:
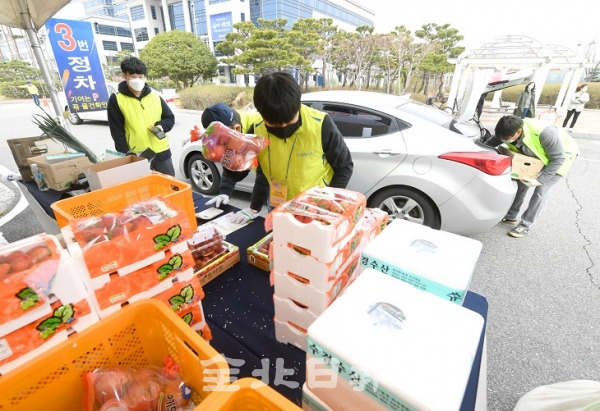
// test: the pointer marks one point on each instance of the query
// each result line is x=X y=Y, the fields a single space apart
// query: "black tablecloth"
x=239 y=310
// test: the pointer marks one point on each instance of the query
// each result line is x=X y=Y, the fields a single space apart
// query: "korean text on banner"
x=78 y=64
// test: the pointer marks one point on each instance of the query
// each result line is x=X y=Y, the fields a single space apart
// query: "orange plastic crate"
x=140 y=334
x=116 y=198
x=247 y=394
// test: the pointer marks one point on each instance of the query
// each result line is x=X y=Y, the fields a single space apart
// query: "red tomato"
x=21 y=263
x=216 y=153
x=143 y=396
x=39 y=253
x=14 y=255
x=4 y=269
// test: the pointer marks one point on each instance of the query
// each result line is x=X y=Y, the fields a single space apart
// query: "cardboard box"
x=522 y=166
x=61 y=175
x=25 y=147
x=116 y=171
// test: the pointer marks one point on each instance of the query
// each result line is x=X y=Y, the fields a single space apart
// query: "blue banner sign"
x=78 y=64
x=220 y=25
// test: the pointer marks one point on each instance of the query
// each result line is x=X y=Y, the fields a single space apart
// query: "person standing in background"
x=134 y=114
x=579 y=99
x=33 y=90
x=526 y=102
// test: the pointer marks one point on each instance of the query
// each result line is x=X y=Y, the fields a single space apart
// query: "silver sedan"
x=412 y=160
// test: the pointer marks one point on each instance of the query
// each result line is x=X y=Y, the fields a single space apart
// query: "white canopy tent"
x=31 y=15
x=516 y=52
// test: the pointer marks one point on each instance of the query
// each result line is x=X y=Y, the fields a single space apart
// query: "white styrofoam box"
x=416 y=349
x=292 y=288
x=323 y=242
x=154 y=258
x=310 y=402
x=287 y=310
x=319 y=275
x=436 y=261
x=288 y=333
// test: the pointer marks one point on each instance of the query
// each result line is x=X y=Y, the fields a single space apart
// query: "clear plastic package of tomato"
x=233 y=150
x=326 y=205
x=27 y=268
x=136 y=389
x=116 y=240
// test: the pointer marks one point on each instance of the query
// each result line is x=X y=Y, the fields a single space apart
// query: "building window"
x=137 y=13
x=127 y=46
x=110 y=45
x=141 y=34
x=155 y=31
x=242 y=16
x=153 y=12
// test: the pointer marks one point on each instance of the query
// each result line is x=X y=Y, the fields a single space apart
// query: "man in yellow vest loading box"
x=139 y=118
x=305 y=148
x=534 y=138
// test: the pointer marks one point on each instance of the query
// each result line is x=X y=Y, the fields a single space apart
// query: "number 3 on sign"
x=68 y=43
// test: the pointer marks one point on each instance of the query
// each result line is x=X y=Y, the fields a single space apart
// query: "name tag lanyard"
x=278 y=192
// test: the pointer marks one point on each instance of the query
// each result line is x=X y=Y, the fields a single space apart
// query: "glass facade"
x=111 y=8
x=141 y=34
x=137 y=13
x=109 y=45
x=293 y=10
x=176 y=16
x=112 y=30
x=153 y=12
x=198 y=16
x=127 y=46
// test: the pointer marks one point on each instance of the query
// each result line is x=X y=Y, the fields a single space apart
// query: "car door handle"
x=387 y=152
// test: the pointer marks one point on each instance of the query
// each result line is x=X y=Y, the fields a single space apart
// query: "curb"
x=5 y=208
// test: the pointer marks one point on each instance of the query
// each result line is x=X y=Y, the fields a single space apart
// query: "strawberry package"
x=116 y=240
x=141 y=388
x=233 y=150
x=27 y=268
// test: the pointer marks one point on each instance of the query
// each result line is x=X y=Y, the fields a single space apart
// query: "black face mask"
x=284 y=132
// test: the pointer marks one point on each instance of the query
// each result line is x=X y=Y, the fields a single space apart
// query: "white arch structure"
x=516 y=52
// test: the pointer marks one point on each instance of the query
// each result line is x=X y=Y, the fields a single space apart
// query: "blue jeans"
x=537 y=201
x=525 y=111
x=36 y=100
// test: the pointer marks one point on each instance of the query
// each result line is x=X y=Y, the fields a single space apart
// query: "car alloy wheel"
x=74 y=118
x=203 y=174
x=407 y=204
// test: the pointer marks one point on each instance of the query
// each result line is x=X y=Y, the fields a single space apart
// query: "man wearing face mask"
x=305 y=148
x=553 y=146
x=132 y=113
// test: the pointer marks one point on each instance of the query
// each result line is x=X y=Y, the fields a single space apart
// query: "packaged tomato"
x=233 y=150
x=137 y=389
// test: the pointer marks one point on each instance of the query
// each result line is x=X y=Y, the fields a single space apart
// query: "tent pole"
x=37 y=51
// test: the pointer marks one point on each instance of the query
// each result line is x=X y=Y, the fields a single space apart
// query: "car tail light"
x=490 y=163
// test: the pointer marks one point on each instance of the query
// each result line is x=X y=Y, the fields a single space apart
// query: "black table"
x=239 y=310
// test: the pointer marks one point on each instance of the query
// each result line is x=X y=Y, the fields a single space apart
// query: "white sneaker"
x=569 y=130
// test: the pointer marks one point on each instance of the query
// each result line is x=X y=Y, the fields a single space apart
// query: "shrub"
x=200 y=97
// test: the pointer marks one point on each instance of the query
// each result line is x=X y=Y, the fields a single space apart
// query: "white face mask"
x=136 y=84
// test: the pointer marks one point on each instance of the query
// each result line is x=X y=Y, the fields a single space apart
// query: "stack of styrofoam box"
x=384 y=344
x=141 y=266
x=312 y=261
x=436 y=261
x=43 y=302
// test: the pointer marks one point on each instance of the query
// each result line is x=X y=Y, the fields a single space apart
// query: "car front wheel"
x=74 y=118
x=406 y=204
x=204 y=175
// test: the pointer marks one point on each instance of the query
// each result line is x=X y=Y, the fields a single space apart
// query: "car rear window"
x=430 y=113
x=356 y=122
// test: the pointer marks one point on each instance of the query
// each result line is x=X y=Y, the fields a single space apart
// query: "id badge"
x=278 y=194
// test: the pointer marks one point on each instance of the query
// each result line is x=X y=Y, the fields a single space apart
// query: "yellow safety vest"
x=299 y=161
x=531 y=138
x=139 y=114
